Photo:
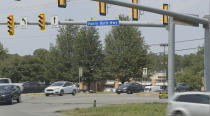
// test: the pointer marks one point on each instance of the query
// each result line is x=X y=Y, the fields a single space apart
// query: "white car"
x=189 y=104
x=60 y=88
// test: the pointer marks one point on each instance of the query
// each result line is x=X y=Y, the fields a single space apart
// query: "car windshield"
x=5 y=87
x=57 y=84
x=124 y=85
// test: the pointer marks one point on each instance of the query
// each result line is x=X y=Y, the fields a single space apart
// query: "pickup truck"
x=9 y=81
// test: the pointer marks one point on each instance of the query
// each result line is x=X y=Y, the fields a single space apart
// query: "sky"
x=27 y=40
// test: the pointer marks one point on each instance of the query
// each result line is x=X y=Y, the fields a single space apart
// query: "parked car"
x=9 y=93
x=33 y=87
x=130 y=88
x=152 y=89
x=189 y=104
x=182 y=87
x=60 y=88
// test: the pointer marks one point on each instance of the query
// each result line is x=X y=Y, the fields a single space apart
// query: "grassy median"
x=143 y=109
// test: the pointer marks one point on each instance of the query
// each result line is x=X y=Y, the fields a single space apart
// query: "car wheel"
x=129 y=92
x=61 y=93
x=46 y=94
x=19 y=99
x=74 y=92
x=118 y=93
x=10 y=102
x=178 y=114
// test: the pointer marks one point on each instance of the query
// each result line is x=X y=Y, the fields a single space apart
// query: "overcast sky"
x=26 y=41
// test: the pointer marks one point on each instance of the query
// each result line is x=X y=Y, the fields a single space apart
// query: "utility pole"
x=171 y=55
x=164 y=45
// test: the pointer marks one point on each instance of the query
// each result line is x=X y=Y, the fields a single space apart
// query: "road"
x=47 y=106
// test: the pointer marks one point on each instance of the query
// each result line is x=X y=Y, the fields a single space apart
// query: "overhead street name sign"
x=103 y=23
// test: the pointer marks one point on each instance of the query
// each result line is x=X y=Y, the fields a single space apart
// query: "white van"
x=152 y=89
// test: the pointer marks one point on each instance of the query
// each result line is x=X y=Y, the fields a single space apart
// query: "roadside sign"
x=103 y=23
x=54 y=22
x=80 y=71
x=23 y=23
x=144 y=71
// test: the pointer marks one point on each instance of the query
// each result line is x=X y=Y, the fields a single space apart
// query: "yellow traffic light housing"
x=11 y=25
x=135 y=12
x=62 y=3
x=102 y=8
x=165 y=17
x=42 y=23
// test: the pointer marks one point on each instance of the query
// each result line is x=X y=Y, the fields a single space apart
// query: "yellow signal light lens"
x=165 y=17
x=62 y=3
x=102 y=8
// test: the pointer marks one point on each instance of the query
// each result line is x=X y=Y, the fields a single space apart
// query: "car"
x=9 y=93
x=33 y=87
x=60 y=88
x=189 y=104
x=182 y=87
x=152 y=89
x=130 y=88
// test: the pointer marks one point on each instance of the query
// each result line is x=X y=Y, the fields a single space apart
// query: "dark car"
x=182 y=87
x=9 y=93
x=130 y=88
x=33 y=87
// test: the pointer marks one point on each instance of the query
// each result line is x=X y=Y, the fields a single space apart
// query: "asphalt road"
x=46 y=106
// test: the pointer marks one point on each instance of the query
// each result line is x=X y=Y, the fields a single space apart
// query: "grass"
x=143 y=109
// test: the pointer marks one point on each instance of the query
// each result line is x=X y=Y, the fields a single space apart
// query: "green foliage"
x=125 y=52
x=192 y=70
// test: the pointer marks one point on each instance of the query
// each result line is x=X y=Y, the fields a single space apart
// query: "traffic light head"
x=135 y=12
x=42 y=24
x=165 y=17
x=62 y=3
x=11 y=25
x=102 y=8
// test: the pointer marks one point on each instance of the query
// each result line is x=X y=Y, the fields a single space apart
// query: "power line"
x=180 y=41
x=186 y=49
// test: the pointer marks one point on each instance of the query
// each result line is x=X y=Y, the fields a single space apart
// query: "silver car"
x=189 y=104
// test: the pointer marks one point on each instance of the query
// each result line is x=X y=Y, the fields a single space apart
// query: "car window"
x=4 y=81
x=68 y=84
x=57 y=84
x=195 y=98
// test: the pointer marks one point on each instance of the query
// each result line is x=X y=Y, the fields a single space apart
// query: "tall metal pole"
x=171 y=54
x=206 y=59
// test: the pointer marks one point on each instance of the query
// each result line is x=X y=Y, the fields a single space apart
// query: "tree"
x=125 y=52
x=88 y=54
x=192 y=71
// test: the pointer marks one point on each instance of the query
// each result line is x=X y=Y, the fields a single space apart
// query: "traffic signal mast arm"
x=179 y=16
x=124 y=23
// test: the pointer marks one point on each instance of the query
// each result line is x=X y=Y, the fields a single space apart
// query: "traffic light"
x=135 y=12
x=102 y=8
x=42 y=23
x=165 y=17
x=11 y=25
x=62 y=3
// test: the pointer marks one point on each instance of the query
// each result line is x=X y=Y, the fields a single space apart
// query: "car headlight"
x=5 y=95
